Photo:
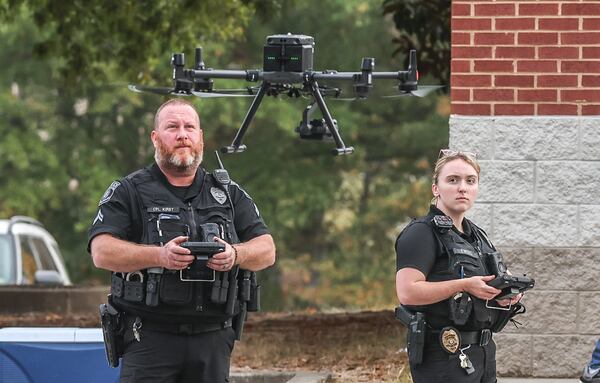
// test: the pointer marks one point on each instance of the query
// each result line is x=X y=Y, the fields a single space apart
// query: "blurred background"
x=69 y=127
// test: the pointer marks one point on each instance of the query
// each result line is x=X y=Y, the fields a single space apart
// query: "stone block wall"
x=539 y=202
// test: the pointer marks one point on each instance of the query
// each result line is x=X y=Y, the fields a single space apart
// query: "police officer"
x=442 y=273
x=178 y=329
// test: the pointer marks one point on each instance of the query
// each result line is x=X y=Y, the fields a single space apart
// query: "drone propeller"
x=215 y=94
x=421 y=91
x=156 y=90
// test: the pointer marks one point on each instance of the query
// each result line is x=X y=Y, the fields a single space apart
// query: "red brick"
x=470 y=80
x=460 y=66
x=580 y=67
x=591 y=110
x=459 y=38
x=590 y=81
x=537 y=95
x=513 y=80
x=494 y=9
x=591 y=53
x=562 y=24
x=471 y=109
x=513 y=109
x=579 y=95
x=538 y=9
x=494 y=66
x=558 y=52
x=515 y=24
x=580 y=38
x=471 y=52
x=460 y=94
x=591 y=24
x=537 y=38
x=515 y=52
x=469 y=24
x=536 y=66
x=491 y=38
x=583 y=9
x=557 y=109
x=493 y=95
x=461 y=9
x=554 y=81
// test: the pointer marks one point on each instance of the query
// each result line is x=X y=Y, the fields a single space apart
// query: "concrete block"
x=564 y=182
x=536 y=138
x=588 y=318
x=524 y=225
x=560 y=356
x=520 y=260
x=470 y=134
x=481 y=214
x=506 y=181
x=514 y=354
x=547 y=311
x=589 y=132
x=566 y=269
x=589 y=225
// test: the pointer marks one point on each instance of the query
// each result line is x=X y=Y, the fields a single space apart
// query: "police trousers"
x=440 y=367
x=177 y=358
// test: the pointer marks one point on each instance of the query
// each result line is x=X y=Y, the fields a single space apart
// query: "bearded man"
x=175 y=328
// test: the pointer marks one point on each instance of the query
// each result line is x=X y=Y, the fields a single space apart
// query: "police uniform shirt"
x=417 y=247
x=119 y=216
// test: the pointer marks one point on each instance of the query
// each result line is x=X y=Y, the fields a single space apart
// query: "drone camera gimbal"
x=288 y=70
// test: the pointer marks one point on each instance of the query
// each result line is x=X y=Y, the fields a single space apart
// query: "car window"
x=42 y=254
x=29 y=263
x=7 y=261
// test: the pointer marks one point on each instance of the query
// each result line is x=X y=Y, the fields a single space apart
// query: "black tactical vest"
x=164 y=217
x=458 y=258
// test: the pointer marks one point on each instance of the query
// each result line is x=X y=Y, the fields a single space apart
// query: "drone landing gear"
x=236 y=146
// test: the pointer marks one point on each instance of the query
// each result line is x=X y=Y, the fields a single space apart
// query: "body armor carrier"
x=464 y=259
x=160 y=294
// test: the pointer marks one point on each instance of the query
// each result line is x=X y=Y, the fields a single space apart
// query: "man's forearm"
x=425 y=293
x=117 y=255
x=256 y=254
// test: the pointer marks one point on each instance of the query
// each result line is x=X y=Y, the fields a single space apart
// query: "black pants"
x=177 y=358
x=440 y=367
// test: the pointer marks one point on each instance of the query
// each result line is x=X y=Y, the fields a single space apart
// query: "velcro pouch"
x=173 y=291
x=116 y=286
x=134 y=291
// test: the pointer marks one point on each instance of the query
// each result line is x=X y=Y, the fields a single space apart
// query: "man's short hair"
x=174 y=101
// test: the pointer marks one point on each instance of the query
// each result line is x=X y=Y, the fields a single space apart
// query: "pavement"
x=538 y=380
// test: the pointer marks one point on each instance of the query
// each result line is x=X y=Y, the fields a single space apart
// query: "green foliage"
x=424 y=26
x=73 y=128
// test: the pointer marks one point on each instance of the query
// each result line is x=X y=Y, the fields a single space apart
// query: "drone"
x=288 y=70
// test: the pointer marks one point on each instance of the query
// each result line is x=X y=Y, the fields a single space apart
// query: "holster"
x=415 y=338
x=113 y=327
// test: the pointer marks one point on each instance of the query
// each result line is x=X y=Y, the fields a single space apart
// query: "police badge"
x=218 y=194
x=450 y=339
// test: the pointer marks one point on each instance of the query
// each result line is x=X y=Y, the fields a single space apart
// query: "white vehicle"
x=29 y=255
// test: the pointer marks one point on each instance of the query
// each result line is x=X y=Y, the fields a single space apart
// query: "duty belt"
x=179 y=328
x=481 y=338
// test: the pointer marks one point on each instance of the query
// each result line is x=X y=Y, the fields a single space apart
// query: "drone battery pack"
x=288 y=53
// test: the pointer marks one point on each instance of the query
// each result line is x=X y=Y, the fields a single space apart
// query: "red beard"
x=176 y=160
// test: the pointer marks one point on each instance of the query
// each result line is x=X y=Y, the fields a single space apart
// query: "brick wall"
x=525 y=89
x=525 y=57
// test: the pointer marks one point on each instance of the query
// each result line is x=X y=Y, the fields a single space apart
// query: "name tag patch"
x=162 y=209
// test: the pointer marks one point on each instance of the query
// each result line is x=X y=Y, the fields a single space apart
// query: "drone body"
x=287 y=69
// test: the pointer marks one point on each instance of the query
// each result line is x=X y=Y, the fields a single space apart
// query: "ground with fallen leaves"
x=352 y=346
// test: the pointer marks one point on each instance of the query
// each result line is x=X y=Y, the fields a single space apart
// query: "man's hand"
x=223 y=261
x=478 y=287
x=174 y=257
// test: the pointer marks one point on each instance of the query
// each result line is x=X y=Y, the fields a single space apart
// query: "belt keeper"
x=485 y=337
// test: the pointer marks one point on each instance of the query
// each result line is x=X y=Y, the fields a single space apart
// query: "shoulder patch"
x=218 y=194
x=109 y=192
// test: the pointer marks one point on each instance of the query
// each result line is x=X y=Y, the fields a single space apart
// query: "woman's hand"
x=478 y=287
